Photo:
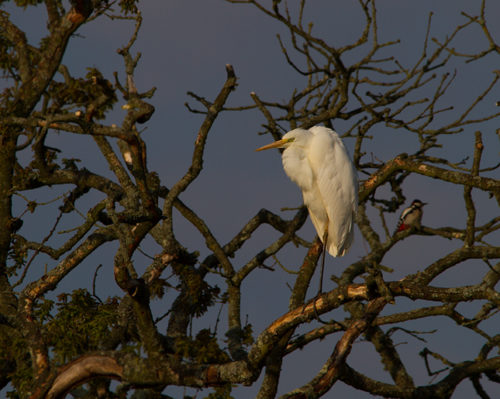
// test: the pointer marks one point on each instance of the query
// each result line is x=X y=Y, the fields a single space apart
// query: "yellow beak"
x=276 y=144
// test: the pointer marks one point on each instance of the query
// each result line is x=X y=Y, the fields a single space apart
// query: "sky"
x=185 y=45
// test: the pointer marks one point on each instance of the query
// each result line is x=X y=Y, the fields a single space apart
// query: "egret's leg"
x=320 y=290
x=325 y=240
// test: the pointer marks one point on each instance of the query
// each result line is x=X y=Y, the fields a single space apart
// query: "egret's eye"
x=290 y=140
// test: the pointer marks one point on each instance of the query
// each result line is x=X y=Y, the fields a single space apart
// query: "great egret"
x=317 y=161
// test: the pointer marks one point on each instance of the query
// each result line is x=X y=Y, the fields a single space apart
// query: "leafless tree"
x=80 y=343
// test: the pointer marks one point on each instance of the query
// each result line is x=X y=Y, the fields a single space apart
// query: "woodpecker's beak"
x=276 y=144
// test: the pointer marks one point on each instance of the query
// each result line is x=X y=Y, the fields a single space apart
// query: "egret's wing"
x=296 y=163
x=337 y=186
x=297 y=167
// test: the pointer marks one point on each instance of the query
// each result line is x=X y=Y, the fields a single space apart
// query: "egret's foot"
x=316 y=314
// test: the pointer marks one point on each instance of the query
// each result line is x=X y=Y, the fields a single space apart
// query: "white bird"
x=317 y=161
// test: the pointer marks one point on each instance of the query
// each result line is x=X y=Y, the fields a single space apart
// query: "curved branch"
x=403 y=162
x=332 y=369
x=82 y=370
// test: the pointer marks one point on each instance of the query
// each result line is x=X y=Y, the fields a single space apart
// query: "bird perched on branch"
x=411 y=216
x=317 y=161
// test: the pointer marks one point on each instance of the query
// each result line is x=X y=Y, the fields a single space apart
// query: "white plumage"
x=317 y=161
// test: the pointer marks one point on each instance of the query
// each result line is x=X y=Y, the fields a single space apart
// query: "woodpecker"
x=411 y=216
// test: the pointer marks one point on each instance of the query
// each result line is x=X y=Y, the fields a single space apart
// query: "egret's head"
x=283 y=143
x=293 y=136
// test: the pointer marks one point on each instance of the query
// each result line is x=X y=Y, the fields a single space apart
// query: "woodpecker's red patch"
x=402 y=227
